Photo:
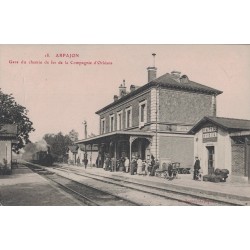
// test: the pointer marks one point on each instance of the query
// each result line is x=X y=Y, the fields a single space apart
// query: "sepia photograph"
x=124 y=125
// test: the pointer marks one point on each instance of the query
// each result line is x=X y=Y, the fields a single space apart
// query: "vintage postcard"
x=124 y=125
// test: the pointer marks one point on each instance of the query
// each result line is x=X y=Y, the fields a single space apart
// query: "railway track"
x=87 y=194
x=166 y=192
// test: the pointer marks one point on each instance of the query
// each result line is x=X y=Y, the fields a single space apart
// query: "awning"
x=114 y=135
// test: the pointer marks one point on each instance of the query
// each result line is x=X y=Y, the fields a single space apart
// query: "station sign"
x=210 y=134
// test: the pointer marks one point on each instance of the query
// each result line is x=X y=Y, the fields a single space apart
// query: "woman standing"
x=139 y=165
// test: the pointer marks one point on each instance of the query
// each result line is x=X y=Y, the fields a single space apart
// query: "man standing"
x=196 y=168
x=126 y=164
x=85 y=160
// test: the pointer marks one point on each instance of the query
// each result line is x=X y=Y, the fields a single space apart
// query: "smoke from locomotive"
x=39 y=153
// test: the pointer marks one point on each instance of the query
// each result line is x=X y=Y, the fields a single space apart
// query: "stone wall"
x=134 y=103
x=184 y=107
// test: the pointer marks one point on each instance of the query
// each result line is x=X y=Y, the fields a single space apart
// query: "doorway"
x=210 y=153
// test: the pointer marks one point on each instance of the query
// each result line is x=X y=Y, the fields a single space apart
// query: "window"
x=128 y=123
x=143 y=112
x=111 y=123
x=119 y=120
x=102 y=125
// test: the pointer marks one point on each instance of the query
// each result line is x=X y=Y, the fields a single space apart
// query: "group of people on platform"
x=137 y=166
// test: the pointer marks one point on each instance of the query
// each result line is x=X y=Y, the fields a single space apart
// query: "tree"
x=13 y=113
x=73 y=135
x=58 y=144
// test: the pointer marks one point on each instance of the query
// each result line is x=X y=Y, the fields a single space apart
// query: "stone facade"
x=173 y=105
x=180 y=148
x=238 y=160
x=134 y=103
x=180 y=107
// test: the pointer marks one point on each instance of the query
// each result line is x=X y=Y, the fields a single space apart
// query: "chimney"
x=122 y=89
x=152 y=70
x=132 y=88
x=184 y=79
x=115 y=98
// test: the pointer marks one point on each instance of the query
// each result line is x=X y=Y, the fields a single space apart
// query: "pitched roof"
x=73 y=149
x=167 y=81
x=230 y=124
x=8 y=130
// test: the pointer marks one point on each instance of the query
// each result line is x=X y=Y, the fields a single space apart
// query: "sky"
x=60 y=97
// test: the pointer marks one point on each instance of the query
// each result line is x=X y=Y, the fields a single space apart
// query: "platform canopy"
x=115 y=135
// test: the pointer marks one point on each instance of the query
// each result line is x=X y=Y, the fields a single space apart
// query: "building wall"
x=5 y=153
x=154 y=118
x=178 y=148
x=91 y=156
x=184 y=107
x=71 y=157
x=134 y=102
x=238 y=160
x=222 y=149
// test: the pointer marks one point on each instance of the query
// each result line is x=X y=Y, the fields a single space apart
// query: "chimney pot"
x=184 y=79
x=122 y=89
x=115 y=98
x=132 y=88
x=152 y=70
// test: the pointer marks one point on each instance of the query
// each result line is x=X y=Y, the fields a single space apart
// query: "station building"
x=78 y=151
x=154 y=119
x=223 y=143
x=8 y=136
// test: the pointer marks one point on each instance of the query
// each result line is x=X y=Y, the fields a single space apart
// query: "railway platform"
x=224 y=190
x=26 y=188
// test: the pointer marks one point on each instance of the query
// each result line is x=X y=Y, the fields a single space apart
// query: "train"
x=43 y=158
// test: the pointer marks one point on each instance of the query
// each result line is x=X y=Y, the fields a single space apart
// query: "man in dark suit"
x=196 y=168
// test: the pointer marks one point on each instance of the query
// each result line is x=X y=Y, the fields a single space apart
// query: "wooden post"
x=91 y=155
x=115 y=156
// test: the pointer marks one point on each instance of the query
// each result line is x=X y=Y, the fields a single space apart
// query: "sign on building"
x=209 y=134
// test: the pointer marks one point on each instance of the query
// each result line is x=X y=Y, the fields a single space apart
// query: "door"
x=210 y=152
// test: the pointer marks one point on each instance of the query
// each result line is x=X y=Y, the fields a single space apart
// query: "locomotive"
x=43 y=158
